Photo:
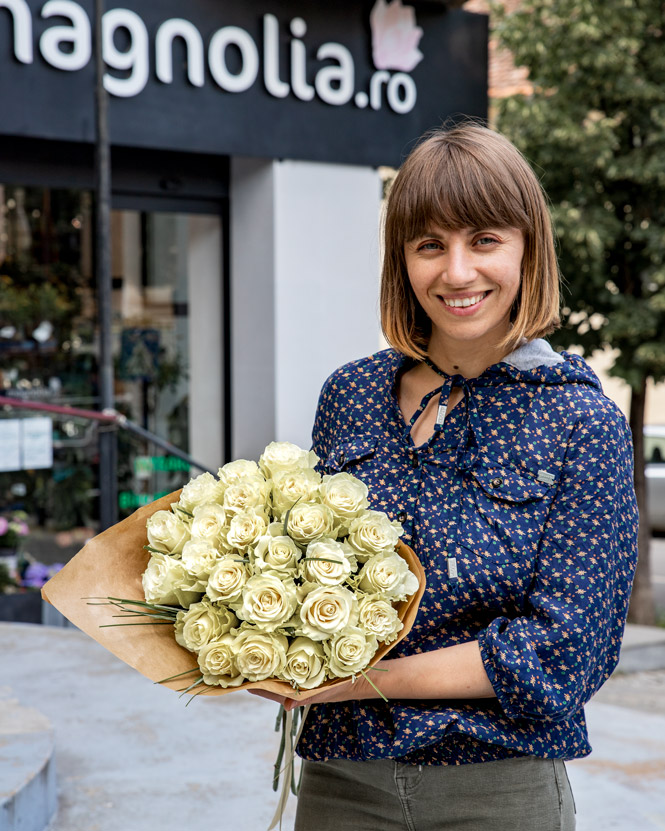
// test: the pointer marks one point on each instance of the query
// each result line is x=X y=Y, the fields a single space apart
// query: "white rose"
x=379 y=618
x=210 y=524
x=260 y=655
x=305 y=664
x=218 y=662
x=327 y=610
x=373 y=533
x=233 y=472
x=295 y=485
x=202 y=623
x=310 y=521
x=200 y=491
x=199 y=558
x=245 y=529
x=246 y=494
x=165 y=581
x=283 y=456
x=328 y=562
x=267 y=602
x=389 y=576
x=167 y=532
x=349 y=651
x=275 y=552
x=345 y=495
x=227 y=579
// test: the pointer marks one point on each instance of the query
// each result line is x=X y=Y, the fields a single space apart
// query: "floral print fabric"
x=522 y=510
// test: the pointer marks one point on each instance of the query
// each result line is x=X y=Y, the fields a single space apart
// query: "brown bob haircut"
x=467 y=176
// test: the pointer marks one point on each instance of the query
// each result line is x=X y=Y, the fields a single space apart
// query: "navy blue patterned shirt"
x=521 y=508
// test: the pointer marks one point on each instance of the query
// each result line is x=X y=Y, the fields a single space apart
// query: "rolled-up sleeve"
x=547 y=663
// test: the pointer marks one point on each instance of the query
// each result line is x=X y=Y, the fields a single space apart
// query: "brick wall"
x=504 y=77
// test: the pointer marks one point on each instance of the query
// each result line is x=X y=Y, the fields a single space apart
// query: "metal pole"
x=108 y=446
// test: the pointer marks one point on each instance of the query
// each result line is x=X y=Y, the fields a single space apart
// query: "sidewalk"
x=129 y=754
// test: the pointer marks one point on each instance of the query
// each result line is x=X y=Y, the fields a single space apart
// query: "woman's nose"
x=459 y=269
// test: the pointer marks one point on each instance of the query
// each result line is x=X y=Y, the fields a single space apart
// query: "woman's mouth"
x=467 y=303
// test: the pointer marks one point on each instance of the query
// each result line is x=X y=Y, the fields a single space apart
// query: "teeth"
x=464 y=301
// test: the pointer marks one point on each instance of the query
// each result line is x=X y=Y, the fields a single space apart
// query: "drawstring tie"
x=468 y=446
x=470 y=440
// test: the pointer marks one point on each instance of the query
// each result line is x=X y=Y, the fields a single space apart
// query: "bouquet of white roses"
x=272 y=575
x=274 y=571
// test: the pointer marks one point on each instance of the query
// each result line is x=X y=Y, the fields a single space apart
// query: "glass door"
x=168 y=334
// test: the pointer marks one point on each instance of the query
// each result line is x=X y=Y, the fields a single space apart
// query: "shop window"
x=165 y=266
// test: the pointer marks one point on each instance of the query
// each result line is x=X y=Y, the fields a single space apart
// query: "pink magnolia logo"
x=395 y=36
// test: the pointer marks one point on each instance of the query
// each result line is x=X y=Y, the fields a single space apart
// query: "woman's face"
x=466 y=282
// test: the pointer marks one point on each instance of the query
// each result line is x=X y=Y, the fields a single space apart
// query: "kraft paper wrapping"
x=111 y=565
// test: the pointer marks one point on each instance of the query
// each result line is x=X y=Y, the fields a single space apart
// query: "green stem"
x=287 y=515
x=371 y=683
x=179 y=675
x=196 y=683
x=146 y=623
x=280 y=752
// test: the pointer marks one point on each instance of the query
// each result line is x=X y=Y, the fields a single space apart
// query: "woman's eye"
x=484 y=241
x=429 y=246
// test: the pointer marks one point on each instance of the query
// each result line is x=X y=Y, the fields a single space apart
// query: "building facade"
x=245 y=146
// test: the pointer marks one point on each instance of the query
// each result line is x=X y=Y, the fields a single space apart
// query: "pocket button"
x=402 y=516
x=496 y=483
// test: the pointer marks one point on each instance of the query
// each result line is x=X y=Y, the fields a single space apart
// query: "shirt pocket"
x=503 y=513
x=347 y=456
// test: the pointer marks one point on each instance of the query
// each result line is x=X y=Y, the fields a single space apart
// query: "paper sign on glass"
x=37 y=443
x=10 y=444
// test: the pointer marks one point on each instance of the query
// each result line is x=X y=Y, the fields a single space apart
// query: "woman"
x=511 y=474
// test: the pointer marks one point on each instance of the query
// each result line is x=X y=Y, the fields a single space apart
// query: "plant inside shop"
x=13 y=528
x=21 y=579
x=24 y=573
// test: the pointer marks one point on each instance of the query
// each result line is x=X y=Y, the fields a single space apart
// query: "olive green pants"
x=517 y=794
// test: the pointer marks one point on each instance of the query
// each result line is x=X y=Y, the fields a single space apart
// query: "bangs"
x=455 y=190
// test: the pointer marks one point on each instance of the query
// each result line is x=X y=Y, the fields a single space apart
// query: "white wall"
x=252 y=277
x=326 y=281
x=304 y=290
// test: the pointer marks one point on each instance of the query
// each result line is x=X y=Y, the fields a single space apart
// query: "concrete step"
x=643 y=649
x=27 y=767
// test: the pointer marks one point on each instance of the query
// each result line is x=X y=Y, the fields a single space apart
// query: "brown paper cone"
x=111 y=565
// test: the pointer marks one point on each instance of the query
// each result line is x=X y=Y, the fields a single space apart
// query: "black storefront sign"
x=340 y=81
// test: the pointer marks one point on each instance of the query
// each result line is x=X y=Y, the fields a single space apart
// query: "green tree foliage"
x=594 y=129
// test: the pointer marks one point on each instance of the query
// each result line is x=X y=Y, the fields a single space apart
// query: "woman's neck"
x=469 y=359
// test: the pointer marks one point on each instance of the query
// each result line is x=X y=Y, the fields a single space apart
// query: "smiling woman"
x=511 y=474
